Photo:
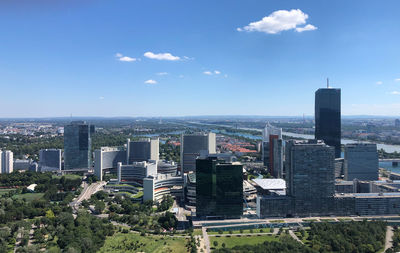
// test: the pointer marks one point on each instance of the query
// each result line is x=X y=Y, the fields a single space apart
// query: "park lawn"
x=244 y=231
x=327 y=220
x=197 y=232
x=345 y=219
x=234 y=240
x=303 y=239
x=119 y=243
x=276 y=221
x=29 y=196
x=310 y=220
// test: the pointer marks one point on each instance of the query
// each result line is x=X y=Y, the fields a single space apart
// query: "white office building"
x=107 y=158
x=136 y=172
x=7 y=161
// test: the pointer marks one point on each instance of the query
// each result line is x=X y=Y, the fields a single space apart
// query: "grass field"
x=29 y=196
x=234 y=240
x=309 y=220
x=327 y=220
x=276 y=221
x=345 y=219
x=133 y=242
x=197 y=232
x=303 y=239
x=244 y=231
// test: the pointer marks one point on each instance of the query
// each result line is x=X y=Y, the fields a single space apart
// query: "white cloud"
x=125 y=58
x=213 y=72
x=162 y=73
x=281 y=20
x=379 y=83
x=395 y=92
x=397 y=80
x=150 y=81
x=306 y=28
x=188 y=58
x=162 y=56
x=101 y=98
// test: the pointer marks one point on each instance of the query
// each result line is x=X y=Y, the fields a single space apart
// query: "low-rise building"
x=156 y=187
x=136 y=171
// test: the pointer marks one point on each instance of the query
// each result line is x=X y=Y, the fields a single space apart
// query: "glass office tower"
x=219 y=188
x=77 y=143
x=328 y=117
x=310 y=177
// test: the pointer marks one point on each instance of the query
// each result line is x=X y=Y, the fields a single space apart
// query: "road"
x=389 y=236
x=294 y=236
x=86 y=193
x=206 y=239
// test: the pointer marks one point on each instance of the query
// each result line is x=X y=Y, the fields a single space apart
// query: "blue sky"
x=176 y=58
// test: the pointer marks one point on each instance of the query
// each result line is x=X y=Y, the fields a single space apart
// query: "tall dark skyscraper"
x=219 y=188
x=328 y=117
x=77 y=143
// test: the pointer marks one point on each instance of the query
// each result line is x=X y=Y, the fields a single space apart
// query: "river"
x=387 y=147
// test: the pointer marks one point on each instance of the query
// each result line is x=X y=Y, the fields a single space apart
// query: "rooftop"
x=270 y=184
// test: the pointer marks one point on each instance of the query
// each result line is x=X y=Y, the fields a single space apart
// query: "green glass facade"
x=219 y=188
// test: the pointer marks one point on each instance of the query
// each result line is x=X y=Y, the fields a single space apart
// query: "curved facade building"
x=136 y=172
x=155 y=188
x=167 y=168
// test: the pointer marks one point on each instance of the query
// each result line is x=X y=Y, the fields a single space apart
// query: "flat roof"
x=370 y=195
x=270 y=184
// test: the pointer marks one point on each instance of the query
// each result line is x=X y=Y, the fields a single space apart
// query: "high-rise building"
x=273 y=150
x=192 y=145
x=50 y=159
x=397 y=123
x=77 y=145
x=142 y=150
x=219 y=188
x=328 y=117
x=107 y=158
x=310 y=176
x=7 y=161
x=361 y=161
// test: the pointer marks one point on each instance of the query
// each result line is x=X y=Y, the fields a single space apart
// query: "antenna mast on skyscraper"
x=327 y=83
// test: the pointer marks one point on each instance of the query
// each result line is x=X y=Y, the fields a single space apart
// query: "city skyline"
x=181 y=59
